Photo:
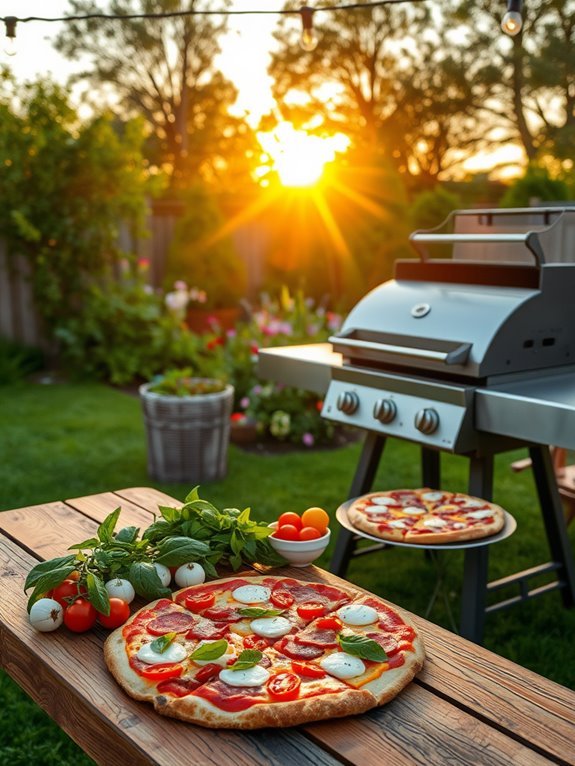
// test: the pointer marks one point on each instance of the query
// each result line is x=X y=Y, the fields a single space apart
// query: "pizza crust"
x=344 y=700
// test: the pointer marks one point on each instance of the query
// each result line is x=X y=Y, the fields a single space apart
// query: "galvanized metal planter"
x=188 y=436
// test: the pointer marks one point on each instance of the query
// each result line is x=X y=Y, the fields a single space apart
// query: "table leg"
x=362 y=483
x=554 y=520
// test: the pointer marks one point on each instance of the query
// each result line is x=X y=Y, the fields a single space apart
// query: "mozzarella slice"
x=413 y=510
x=480 y=514
x=342 y=665
x=174 y=653
x=271 y=627
x=252 y=594
x=255 y=676
x=384 y=500
x=432 y=497
x=458 y=525
x=229 y=654
x=398 y=524
x=434 y=523
x=357 y=614
x=473 y=504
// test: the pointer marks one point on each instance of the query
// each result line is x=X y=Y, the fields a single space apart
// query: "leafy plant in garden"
x=183 y=383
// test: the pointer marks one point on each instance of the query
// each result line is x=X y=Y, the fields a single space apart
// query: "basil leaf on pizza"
x=362 y=647
x=161 y=643
x=249 y=658
x=258 y=611
x=209 y=652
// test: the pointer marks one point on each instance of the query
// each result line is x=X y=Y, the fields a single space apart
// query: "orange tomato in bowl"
x=317 y=518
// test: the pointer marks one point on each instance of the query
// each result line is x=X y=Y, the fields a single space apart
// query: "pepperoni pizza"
x=425 y=516
x=264 y=651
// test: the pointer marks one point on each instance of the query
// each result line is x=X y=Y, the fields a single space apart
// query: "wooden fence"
x=18 y=317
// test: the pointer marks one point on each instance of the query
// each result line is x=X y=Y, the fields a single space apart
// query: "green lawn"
x=67 y=440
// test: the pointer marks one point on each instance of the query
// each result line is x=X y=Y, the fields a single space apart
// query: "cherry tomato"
x=80 y=616
x=310 y=533
x=75 y=575
x=200 y=602
x=255 y=642
x=315 y=517
x=308 y=671
x=283 y=599
x=310 y=610
x=162 y=672
x=284 y=686
x=287 y=532
x=290 y=518
x=329 y=623
x=119 y=613
x=66 y=592
x=207 y=672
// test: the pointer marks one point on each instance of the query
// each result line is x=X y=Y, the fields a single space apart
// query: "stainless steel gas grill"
x=472 y=354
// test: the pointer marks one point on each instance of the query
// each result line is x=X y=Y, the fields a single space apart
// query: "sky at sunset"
x=244 y=57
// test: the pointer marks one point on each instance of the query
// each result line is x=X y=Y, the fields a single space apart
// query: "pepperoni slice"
x=327 y=594
x=207 y=629
x=176 y=622
x=389 y=620
x=325 y=637
x=223 y=614
x=179 y=687
x=388 y=643
x=215 y=587
x=296 y=651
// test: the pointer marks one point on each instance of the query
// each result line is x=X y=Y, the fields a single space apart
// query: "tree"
x=388 y=77
x=164 y=70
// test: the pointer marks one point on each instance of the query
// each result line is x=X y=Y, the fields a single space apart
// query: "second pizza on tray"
x=425 y=516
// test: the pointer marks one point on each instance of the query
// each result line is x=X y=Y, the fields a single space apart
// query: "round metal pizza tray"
x=509 y=528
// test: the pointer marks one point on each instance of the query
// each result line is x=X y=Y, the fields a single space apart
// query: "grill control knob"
x=348 y=402
x=427 y=421
x=384 y=410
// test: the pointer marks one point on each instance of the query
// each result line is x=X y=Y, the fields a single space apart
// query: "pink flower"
x=179 y=284
x=244 y=402
x=308 y=439
x=231 y=333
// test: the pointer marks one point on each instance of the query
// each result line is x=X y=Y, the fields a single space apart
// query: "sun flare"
x=298 y=157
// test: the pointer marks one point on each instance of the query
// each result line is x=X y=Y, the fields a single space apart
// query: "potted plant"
x=187 y=422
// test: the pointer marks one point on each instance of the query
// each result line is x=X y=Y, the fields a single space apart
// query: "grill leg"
x=554 y=520
x=362 y=483
x=430 y=468
x=475 y=566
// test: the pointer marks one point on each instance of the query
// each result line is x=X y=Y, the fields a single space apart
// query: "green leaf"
x=246 y=659
x=97 y=594
x=244 y=516
x=127 y=535
x=170 y=514
x=361 y=646
x=235 y=561
x=91 y=542
x=209 y=568
x=258 y=611
x=47 y=581
x=47 y=566
x=161 y=643
x=106 y=528
x=261 y=532
x=209 y=652
x=175 y=551
x=193 y=495
x=236 y=544
x=146 y=582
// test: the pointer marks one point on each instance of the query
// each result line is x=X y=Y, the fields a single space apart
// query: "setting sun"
x=298 y=157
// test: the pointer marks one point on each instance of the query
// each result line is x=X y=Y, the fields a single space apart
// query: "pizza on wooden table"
x=251 y=652
x=425 y=516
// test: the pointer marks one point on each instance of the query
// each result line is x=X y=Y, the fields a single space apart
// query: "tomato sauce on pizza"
x=264 y=651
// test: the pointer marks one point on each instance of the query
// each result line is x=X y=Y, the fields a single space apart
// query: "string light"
x=10 y=43
x=308 y=39
x=512 y=21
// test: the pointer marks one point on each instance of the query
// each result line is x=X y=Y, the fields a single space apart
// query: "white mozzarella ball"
x=255 y=676
x=46 y=615
x=252 y=594
x=342 y=665
x=357 y=614
x=173 y=653
x=120 y=588
x=163 y=573
x=190 y=574
x=271 y=627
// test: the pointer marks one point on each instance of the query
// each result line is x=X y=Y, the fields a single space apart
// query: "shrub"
x=183 y=383
x=536 y=184
x=18 y=361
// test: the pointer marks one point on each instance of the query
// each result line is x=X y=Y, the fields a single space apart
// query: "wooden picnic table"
x=467 y=706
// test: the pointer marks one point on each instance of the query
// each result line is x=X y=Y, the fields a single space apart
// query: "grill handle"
x=457 y=355
x=530 y=239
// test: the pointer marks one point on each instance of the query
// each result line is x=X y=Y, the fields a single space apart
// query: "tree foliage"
x=164 y=70
x=66 y=186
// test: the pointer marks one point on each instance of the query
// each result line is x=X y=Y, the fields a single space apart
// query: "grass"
x=67 y=440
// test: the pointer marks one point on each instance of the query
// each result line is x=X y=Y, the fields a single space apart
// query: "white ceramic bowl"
x=299 y=553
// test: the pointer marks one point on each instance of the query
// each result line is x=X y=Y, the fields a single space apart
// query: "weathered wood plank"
x=97 y=507
x=148 y=498
x=66 y=675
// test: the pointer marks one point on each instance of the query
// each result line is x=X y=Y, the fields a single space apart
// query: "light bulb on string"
x=512 y=21
x=10 y=41
x=308 y=39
